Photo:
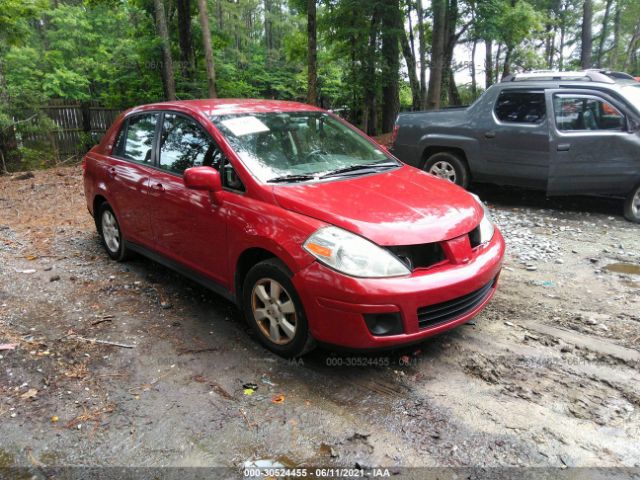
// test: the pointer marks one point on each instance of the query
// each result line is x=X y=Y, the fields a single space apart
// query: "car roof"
x=229 y=106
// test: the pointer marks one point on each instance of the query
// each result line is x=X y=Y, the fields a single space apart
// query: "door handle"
x=112 y=172
x=490 y=134
x=564 y=147
x=157 y=187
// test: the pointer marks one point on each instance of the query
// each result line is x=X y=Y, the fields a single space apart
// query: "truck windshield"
x=300 y=146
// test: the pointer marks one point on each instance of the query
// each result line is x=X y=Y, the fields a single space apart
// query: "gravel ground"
x=548 y=375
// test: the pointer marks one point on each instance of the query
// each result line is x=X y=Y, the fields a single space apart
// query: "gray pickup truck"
x=568 y=133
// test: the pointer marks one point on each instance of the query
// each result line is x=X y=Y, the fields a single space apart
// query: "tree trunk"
x=370 y=110
x=603 y=33
x=474 y=81
x=208 y=50
x=488 y=63
x=391 y=28
x=563 y=29
x=437 y=53
x=187 y=59
x=586 y=40
x=613 y=59
x=632 y=47
x=411 y=70
x=497 y=67
x=167 y=62
x=268 y=25
x=423 y=55
x=506 y=70
x=219 y=14
x=312 y=55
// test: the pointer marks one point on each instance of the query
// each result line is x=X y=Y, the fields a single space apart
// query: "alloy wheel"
x=274 y=311
x=110 y=231
x=444 y=170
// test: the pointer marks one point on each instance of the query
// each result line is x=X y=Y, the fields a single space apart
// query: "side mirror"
x=203 y=178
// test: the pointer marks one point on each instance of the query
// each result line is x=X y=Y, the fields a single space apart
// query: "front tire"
x=449 y=166
x=632 y=206
x=274 y=311
x=110 y=233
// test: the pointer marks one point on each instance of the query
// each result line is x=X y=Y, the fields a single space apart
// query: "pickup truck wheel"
x=274 y=311
x=448 y=166
x=632 y=206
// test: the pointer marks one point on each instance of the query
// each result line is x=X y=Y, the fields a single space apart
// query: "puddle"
x=628 y=268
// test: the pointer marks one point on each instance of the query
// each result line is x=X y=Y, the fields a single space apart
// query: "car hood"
x=405 y=206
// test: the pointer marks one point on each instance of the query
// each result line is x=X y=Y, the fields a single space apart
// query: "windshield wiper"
x=297 y=177
x=363 y=166
x=292 y=178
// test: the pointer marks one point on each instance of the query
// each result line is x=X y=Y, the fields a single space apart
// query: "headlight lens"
x=353 y=255
x=486 y=227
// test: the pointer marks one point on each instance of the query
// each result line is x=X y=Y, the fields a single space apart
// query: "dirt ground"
x=548 y=374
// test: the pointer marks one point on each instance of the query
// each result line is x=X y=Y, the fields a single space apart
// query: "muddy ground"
x=547 y=376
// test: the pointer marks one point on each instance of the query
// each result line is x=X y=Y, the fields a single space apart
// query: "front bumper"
x=335 y=304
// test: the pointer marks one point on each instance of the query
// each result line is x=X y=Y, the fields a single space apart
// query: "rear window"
x=138 y=142
x=520 y=107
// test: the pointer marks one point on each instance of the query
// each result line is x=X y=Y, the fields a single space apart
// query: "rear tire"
x=449 y=166
x=110 y=233
x=274 y=311
x=632 y=206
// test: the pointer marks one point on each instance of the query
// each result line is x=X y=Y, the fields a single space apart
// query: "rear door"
x=515 y=139
x=128 y=173
x=593 y=150
x=189 y=225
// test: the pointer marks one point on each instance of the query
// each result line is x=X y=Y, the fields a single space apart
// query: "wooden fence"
x=78 y=126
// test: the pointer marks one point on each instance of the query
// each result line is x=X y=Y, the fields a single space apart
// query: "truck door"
x=593 y=150
x=514 y=137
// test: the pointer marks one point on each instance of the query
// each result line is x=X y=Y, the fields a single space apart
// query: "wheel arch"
x=433 y=149
x=245 y=262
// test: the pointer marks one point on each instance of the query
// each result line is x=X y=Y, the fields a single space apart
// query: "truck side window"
x=579 y=112
x=520 y=107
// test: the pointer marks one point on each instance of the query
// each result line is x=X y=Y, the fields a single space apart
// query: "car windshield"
x=300 y=146
x=632 y=94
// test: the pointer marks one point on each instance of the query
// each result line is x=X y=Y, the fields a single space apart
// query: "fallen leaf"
x=278 y=398
x=32 y=392
x=54 y=419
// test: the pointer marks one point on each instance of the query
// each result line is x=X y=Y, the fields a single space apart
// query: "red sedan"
x=312 y=228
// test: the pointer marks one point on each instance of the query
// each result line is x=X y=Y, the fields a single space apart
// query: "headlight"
x=351 y=254
x=486 y=227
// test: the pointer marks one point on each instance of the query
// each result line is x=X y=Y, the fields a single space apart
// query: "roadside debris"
x=277 y=399
x=8 y=346
x=101 y=342
x=249 y=388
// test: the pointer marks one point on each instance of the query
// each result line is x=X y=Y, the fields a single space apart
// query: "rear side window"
x=580 y=112
x=184 y=144
x=520 y=107
x=138 y=143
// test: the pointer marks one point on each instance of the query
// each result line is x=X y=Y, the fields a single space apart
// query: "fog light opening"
x=384 y=324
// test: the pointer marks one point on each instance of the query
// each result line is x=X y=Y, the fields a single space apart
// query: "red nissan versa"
x=316 y=231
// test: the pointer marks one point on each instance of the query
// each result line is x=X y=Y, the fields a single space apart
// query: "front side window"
x=581 y=112
x=183 y=144
x=520 y=107
x=300 y=146
x=138 y=143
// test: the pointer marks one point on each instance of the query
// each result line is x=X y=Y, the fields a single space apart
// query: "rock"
x=54 y=278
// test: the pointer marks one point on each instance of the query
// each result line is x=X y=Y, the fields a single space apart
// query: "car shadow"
x=506 y=196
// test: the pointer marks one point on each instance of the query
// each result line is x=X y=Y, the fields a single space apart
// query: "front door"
x=593 y=150
x=189 y=225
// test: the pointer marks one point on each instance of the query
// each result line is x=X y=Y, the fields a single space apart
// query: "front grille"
x=438 y=313
x=419 y=256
